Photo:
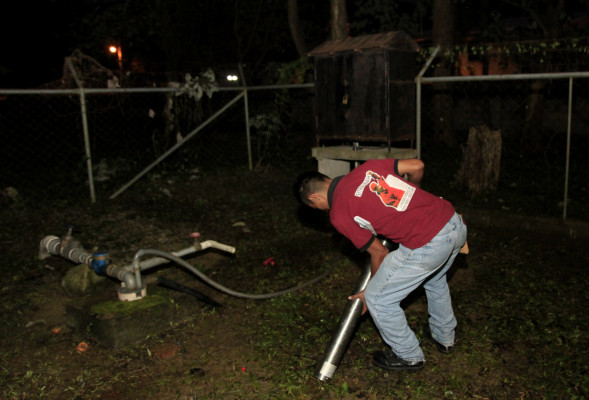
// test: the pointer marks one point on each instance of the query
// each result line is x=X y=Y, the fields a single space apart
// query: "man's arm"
x=377 y=252
x=413 y=168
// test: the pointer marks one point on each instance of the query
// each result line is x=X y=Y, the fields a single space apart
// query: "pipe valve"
x=99 y=262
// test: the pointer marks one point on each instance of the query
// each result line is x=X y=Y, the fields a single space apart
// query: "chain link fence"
x=45 y=156
x=543 y=155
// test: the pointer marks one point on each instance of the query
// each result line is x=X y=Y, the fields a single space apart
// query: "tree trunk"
x=294 y=25
x=548 y=15
x=481 y=159
x=339 y=19
x=443 y=36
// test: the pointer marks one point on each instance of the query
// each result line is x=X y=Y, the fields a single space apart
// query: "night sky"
x=34 y=42
x=37 y=35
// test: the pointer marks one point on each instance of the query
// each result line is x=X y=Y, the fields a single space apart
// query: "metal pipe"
x=343 y=333
x=123 y=275
x=418 y=100
x=137 y=269
x=84 y=130
x=247 y=119
x=144 y=90
x=133 y=287
x=67 y=248
x=509 y=77
x=346 y=326
x=568 y=150
x=429 y=61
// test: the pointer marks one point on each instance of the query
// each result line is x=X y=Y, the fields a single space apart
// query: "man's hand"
x=361 y=297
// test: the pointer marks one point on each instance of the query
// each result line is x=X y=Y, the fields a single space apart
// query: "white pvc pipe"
x=131 y=274
x=216 y=245
x=156 y=261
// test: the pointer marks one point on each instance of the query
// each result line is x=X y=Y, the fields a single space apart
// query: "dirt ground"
x=519 y=299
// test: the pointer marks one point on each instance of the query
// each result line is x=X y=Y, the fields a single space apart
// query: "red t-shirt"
x=373 y=199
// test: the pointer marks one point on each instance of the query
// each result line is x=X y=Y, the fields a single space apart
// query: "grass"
x=520 y=301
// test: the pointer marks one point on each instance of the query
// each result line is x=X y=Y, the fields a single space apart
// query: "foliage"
x=183 y=108
x=271 y=127
x=272 y=133
x=195 y=87
x=500 y=21
x=369 y=16
x=563 y=55
x=543 y=19
x=266 y=135
x=294 y=72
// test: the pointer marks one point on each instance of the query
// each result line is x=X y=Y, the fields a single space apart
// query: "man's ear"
x=315 y=197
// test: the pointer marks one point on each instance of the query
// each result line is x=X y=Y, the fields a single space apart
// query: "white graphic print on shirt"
x=392 y=191
x=364 y=224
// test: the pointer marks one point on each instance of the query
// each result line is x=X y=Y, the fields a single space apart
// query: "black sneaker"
x=388 y=360
x=441 y=347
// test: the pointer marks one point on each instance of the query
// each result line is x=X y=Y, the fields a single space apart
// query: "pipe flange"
x=131 y=294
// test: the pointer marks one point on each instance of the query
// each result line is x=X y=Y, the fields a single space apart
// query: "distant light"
x=112 y=49
x=232 y=78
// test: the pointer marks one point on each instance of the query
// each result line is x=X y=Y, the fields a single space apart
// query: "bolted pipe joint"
x=49 y=246
x=67 y=248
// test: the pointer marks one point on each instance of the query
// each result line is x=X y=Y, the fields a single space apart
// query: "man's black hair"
x=308 y=183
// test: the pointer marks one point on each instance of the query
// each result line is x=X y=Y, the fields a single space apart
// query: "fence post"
x=568 y=149
x=85 y=130
x=247 y=119
x=418 y=100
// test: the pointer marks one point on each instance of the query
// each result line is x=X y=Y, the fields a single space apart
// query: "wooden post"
x=481 y=159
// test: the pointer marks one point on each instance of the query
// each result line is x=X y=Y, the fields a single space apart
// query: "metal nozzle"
x=345 y=329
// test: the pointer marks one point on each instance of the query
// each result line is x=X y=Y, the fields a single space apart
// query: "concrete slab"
x=362 y=153
x=339 y=160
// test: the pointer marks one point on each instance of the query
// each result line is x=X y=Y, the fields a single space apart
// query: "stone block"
x=116 y=324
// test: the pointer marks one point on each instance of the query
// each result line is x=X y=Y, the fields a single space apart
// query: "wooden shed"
x=365 y=89
x=364 y=100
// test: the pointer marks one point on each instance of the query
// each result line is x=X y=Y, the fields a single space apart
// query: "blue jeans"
x=404 y=270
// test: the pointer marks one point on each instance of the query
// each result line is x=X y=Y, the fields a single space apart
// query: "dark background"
x=183 y=35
